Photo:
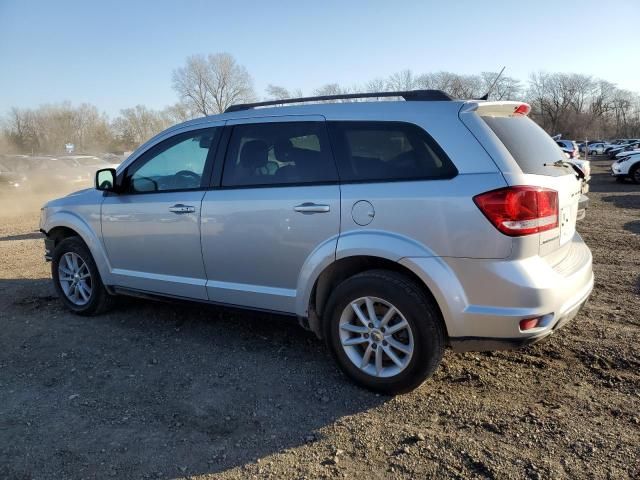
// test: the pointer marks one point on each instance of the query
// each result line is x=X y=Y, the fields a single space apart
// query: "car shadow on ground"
x=623 y=201
x=633 y=227
x=156 y=390
x=23 y=236
x=603 y=182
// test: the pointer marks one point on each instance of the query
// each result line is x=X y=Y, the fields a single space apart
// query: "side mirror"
x=106 y=180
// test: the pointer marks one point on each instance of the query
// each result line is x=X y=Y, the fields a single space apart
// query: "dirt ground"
x=160 y=390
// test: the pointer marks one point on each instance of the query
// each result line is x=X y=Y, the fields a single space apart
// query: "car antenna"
x=486 y=95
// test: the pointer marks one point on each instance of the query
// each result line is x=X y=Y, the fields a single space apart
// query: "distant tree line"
x=574 y=105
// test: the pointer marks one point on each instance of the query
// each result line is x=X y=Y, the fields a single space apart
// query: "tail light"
x=520 y=210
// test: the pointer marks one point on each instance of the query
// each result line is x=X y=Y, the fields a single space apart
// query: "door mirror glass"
x=106 y=180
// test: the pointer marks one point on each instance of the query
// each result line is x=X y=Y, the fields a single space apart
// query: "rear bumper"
x=482 y=344
x=483 y=301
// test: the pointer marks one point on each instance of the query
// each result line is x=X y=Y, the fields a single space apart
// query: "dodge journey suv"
x=391 y=229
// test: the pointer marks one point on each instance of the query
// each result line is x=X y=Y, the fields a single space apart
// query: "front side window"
x=176 y=164
x=278 y=154
x=380 y=151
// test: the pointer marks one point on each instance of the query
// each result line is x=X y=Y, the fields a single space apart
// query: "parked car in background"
x=584 y=166
x=627 y=167
x=84 y=167
x=390 y=229
x=627 y=152
x=622 y=148
x=36 y=172
x=10 y=179
x=582 y=146
x=570 y=147
x=596 y=148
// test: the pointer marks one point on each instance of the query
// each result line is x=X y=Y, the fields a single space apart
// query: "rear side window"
x=386 y=151
x=285 y=153
x=529 y=145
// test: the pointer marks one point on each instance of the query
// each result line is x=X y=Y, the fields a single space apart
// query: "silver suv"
x=391 y=229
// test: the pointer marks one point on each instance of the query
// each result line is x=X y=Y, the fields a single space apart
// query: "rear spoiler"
x=497 y=109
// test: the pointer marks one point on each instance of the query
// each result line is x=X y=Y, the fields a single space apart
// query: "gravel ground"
x=161 y=390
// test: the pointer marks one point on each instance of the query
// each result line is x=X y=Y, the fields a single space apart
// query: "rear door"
x=275 y=204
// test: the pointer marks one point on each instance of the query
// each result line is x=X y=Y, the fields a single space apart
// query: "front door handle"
x=309 y=207
x=180 y=208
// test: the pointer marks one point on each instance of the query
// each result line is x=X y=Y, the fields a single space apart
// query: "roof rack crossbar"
x=409 y=95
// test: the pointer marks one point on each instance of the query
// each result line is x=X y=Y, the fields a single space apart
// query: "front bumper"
x=616 y=171
x=49 y=245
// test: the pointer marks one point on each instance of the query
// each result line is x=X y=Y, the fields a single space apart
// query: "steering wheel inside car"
x=188 y=175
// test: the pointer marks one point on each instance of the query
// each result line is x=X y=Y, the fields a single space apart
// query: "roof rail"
x=409 y=95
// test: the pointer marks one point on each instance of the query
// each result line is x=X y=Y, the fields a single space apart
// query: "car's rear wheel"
x=76 y=278
x=384 y=332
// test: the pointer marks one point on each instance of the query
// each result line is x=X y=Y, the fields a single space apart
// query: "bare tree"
x=211 y=84
x=275 y=92
x=376 y=85
x=402 y=81
x=136 y=125
x=20 y=130
x=505 y=88
x=179 y=112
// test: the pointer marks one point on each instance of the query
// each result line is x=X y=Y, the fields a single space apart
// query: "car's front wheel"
x=634 y=174
x=76 y=278
x=384 y=332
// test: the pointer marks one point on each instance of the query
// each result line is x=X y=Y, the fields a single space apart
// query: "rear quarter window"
x=387 y=151
x=530 y=146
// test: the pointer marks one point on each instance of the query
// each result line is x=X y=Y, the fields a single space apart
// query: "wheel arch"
x=63 y=225
x=343 y=268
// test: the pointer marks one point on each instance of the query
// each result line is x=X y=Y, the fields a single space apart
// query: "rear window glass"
x=529 y=145
x=381 y=151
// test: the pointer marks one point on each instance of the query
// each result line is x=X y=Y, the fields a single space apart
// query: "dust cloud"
x=16 y=201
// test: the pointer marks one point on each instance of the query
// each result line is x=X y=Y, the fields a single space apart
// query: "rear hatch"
x=541 y=163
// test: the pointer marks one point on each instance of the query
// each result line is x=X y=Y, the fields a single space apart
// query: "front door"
x=278 y=204
x=151 y=230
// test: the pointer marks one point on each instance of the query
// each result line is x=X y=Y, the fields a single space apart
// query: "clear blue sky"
x=119 y=53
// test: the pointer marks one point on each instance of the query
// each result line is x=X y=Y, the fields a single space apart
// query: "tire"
x=93 y=298
x=424 y=334
x=634 y=173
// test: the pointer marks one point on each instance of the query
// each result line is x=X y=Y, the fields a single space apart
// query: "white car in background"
x=627 y=167
x=597 y=148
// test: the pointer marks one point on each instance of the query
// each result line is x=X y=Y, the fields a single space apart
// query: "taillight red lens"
x=520 y=210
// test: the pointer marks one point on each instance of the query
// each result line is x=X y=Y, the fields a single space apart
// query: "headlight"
x=43 y=217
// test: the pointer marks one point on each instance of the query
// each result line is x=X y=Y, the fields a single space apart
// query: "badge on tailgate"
x=567 y=223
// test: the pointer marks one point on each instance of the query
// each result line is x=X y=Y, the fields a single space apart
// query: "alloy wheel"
x=376 y=337
x=75 y=278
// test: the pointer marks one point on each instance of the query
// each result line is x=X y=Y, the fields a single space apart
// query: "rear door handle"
x=309 y=207
x=180 y=208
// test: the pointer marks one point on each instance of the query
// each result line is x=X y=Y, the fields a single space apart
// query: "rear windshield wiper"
x=562 y=163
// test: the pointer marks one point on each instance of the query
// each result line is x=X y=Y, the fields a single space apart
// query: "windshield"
x=530 y=146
